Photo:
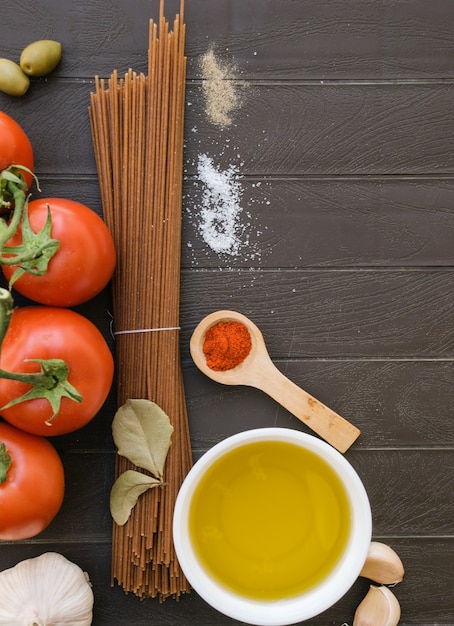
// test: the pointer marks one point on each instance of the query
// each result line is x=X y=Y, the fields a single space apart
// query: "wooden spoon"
x=257 y=370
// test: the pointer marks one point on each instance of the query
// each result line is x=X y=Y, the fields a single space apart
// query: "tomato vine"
x=36 y=250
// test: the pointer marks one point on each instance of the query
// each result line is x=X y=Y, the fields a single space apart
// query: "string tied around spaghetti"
x=144 y=330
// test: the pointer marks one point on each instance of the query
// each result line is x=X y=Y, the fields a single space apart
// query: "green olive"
x=40 y=57
x=13 y=81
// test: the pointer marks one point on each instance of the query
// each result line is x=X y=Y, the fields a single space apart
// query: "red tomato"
x=32 y=492
x=15 y=146
x=81 y=267
x=41 y=332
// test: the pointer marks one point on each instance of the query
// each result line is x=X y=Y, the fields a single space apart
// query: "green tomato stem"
x=50 y=382
x=43 y=379
x=6 y=311
x=36 y=250
x=22 y=256
x=5 y=462
x=13 y=193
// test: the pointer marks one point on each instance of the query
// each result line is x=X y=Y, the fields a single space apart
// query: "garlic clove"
x=380 y=607
x=382 y=565
x=45 y=590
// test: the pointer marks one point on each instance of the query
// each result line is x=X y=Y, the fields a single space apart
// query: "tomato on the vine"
x=32 y=483
x=42 y=332
x=84 y=262
x=15 y=146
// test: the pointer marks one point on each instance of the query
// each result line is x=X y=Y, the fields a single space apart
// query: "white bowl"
x=309 y=603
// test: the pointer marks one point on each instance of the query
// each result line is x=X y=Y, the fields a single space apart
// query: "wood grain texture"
x=291 y=39
x=343 y=148
x=335 y=313
x=337 y=129
x=316 y=222
x=415 y=411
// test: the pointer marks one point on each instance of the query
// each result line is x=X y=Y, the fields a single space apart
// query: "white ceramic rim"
x=291 y=610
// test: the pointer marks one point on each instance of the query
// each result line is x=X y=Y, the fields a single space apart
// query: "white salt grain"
x=220 y=211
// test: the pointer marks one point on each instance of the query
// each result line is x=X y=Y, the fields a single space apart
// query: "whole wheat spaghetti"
x=137 y=129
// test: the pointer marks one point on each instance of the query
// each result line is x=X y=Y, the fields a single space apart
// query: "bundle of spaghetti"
x=137 y=129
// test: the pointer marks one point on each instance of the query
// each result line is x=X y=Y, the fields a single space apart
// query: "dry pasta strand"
x=137 y=125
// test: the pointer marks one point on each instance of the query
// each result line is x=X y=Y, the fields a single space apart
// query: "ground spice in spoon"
x=226 y=345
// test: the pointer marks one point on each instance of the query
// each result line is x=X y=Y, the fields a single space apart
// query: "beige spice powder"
x=221 y=93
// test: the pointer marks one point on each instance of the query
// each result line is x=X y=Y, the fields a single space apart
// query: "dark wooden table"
x=344 y=141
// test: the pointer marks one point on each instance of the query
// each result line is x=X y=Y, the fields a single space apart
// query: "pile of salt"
x=219 y=224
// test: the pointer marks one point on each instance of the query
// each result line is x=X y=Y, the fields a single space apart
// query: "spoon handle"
x=329 y=425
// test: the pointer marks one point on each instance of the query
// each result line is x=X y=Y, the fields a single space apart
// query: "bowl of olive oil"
x=272 y=526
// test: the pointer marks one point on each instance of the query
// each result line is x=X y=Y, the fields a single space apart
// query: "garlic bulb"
x=382 y=565
x=380 y=607
x=47 y=590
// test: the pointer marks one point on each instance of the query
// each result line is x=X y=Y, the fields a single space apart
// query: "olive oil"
x=269 y=520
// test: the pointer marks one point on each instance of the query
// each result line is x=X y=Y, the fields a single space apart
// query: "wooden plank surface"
x=290 y=39
x=343 y=148
x=298 y=129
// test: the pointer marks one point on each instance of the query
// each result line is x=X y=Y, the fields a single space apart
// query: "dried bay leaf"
x=125 y=492
x=142 y=433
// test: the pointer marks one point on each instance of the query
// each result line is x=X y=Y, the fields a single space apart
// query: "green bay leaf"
x=125 y=492
x=142 y=433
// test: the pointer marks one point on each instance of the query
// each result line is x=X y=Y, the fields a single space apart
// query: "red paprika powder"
x=226 y=345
